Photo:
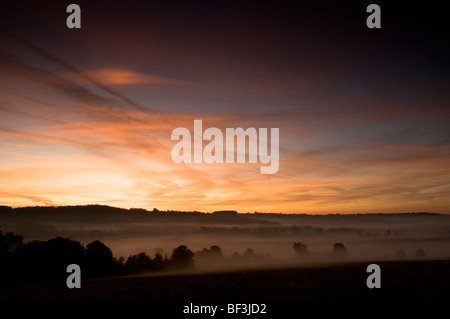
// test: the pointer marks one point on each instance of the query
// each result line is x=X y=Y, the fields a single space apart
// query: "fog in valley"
x=245 y=240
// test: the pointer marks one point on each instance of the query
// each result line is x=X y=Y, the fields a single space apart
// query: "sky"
x=86 y=115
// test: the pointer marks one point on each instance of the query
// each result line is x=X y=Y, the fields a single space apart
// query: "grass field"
x=399 y=280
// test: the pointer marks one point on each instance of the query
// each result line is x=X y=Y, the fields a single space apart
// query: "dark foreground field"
x=399 y=280
x=408 y=288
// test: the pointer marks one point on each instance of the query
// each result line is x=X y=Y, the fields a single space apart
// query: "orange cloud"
x=115 y=76
x=68 y=138
x=124 y=160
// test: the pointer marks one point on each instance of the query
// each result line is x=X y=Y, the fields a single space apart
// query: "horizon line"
x=155 y=210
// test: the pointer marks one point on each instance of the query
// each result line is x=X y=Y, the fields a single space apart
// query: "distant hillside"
x=274 y=234
x=101 y=213
x=96 y=212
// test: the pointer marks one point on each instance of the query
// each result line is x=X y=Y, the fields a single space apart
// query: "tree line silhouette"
x=301 y=249
x=339 y=251
x=48 y=260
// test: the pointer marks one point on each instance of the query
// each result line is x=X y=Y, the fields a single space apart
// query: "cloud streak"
x=359 y=132
x=36 y=49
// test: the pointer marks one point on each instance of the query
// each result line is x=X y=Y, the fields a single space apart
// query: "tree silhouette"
x=300 y=248
x=37 y=261
x=204 y=253
x=339 y=250
x=212 y=252
x=216 y=251
x=249 y=253
x=158 y=262
x=182 y=257
x=59 y=253
x=9 y=242
x=420 y=253
x=99 y=260
x=48 y=259
x=138 y=263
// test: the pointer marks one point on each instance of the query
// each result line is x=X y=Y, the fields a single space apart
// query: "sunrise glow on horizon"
x=86 y=115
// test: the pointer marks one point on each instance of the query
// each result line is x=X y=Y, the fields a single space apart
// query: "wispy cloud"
x=114 y=76
x=42 y=52
x=101 y=133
